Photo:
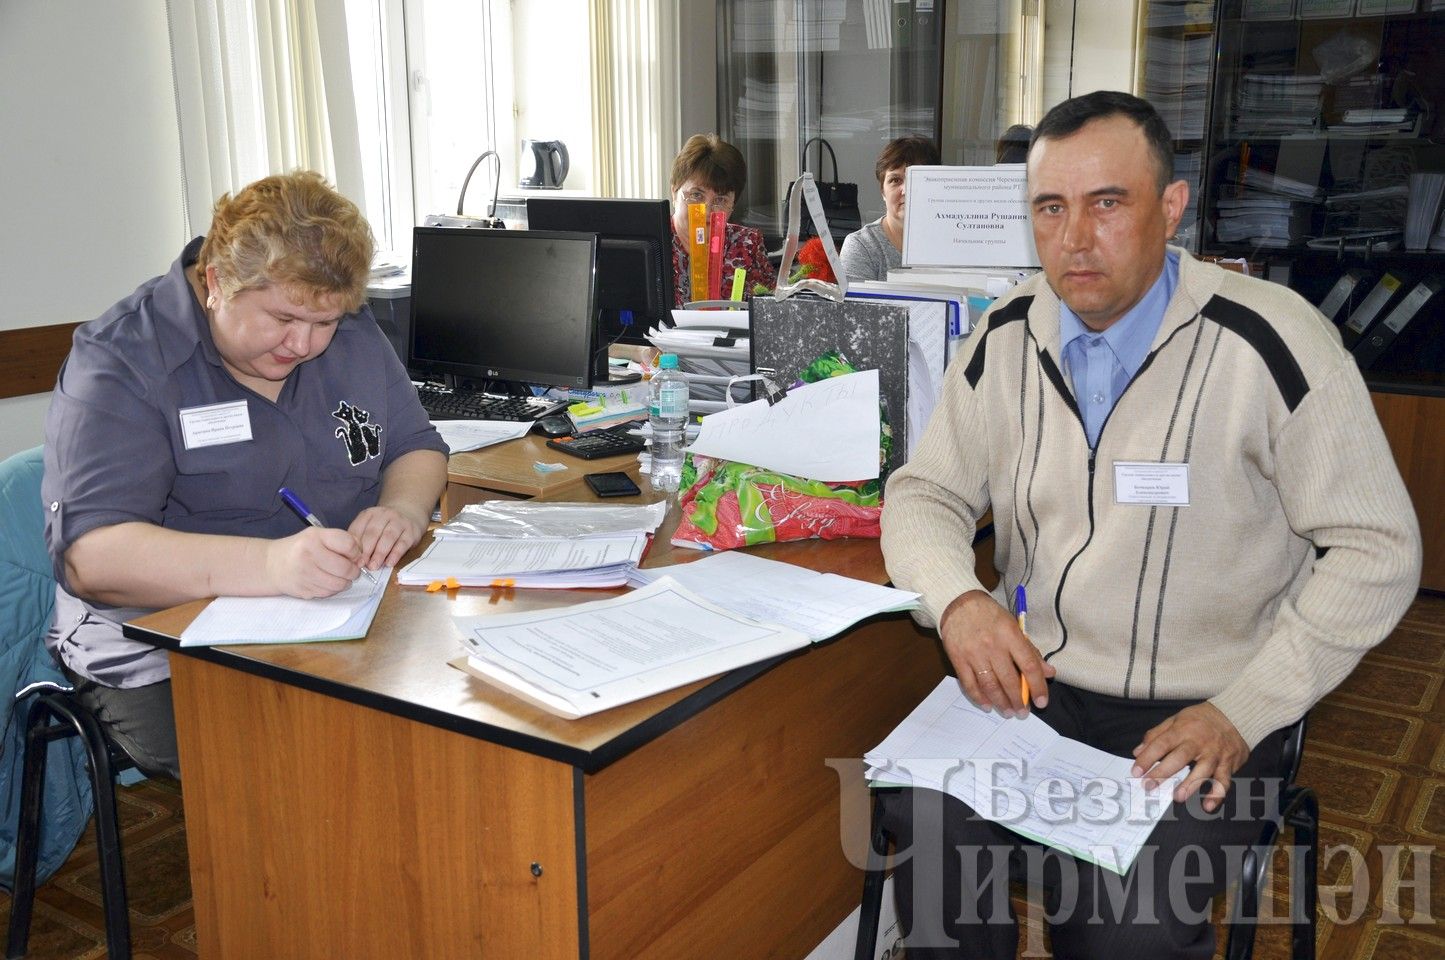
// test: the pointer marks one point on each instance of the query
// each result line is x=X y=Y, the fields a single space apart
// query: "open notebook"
x=344 y=616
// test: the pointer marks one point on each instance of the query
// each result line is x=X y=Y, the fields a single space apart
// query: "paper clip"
x=772 y=392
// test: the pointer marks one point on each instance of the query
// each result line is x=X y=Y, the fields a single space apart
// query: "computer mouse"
x=557 y=425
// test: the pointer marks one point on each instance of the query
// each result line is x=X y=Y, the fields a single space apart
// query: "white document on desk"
x=824 y=431
x=1018 y=772
x=236 y=620
x=712 y=319
x=583 y=659
x=531 y=562
x=817 y=605
x=464 y=435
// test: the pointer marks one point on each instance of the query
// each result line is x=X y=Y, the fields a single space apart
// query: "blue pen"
x=304 y=512
x=1021 y=607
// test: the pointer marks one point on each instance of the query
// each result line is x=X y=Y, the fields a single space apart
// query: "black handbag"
x=840 y=200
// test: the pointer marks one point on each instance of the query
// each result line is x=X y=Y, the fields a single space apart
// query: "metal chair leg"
x=81 y=722
x=1303 y=813
x=27 y=839
x=874 y=875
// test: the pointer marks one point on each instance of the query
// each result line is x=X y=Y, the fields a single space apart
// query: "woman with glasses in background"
x=711 y=171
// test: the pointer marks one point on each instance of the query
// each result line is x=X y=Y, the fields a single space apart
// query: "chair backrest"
x=1294 y=748
x=27 y=599
x=27 y=585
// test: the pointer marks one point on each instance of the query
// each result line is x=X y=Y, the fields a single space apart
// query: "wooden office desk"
x=365 y=799
x=505 y=472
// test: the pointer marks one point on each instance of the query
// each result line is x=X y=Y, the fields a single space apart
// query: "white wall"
x=1104 y=37
x=89 y=167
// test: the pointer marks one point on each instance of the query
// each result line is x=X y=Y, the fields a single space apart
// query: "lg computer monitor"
x=503 y=305
x=634 y=258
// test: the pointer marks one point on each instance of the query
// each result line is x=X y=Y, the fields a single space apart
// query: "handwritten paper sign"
x=968 y=217
x=823 y=431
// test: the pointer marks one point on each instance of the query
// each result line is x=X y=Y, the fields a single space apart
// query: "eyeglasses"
x=714 y=201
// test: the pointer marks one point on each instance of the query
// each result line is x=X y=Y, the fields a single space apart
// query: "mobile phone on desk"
x=612 y=484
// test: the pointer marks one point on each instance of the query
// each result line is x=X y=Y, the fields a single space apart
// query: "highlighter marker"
x=1021 y=603
x=739 y=276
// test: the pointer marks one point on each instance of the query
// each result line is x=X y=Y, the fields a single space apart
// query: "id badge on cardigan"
x=1151 y=484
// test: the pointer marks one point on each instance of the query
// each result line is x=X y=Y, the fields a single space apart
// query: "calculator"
x=595 y=444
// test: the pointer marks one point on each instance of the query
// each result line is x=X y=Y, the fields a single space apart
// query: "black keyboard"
x=443 y=404
x=596 y=444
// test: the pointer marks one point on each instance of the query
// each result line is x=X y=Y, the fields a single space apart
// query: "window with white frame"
x=438 y=82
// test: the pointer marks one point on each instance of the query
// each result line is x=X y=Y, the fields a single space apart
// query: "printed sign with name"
x=968 y=217
x=1151 y=484
x=215 y=424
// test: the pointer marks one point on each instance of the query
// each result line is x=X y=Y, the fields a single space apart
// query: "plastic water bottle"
x=667 y=410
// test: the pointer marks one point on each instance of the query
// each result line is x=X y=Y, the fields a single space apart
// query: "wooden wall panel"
x=30 y=357
x=1415 y=427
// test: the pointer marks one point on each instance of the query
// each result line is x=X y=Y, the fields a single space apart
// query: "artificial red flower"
x=813 y=262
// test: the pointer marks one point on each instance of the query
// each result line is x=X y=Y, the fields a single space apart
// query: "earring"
x=211 y=302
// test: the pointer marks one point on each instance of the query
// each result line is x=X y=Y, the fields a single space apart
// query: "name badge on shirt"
x=215 y=424
x=1152 y=484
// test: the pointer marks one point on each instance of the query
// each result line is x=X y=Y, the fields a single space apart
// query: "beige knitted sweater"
x=1297 y=552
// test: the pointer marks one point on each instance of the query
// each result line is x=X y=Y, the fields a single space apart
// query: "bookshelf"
x=1322 y=126
x=1325 y=156
x=1176 y=54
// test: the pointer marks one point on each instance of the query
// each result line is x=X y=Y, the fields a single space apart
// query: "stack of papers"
x=344 y=616
x=591 y=657
x=817 y=605
x=1273 y=104
x=556 y=562
x=712 y=347
x=685 y=623
x=1019 y=773
x=515 y=519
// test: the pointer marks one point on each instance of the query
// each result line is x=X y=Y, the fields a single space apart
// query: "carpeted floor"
x=1375 y=754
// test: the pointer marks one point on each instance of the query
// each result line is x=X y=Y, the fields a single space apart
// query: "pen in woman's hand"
x=304 y=512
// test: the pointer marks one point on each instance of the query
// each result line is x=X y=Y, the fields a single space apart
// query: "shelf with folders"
x=1175 y=62
x=1325 y=166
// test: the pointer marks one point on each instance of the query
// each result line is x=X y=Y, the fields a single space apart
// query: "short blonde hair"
x=291 y=230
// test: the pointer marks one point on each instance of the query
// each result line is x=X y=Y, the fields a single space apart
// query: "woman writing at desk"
x=712 y=172
x=252 y=364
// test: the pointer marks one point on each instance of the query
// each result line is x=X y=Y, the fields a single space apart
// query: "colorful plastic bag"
x=726 y=504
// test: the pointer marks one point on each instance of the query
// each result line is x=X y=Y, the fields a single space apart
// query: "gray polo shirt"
x=116 y=450
x=868 y=254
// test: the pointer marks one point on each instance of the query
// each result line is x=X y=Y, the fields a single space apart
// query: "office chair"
x=1298 y=807
x=50 y=776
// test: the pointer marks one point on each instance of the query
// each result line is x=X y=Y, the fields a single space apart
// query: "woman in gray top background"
x=870 y=252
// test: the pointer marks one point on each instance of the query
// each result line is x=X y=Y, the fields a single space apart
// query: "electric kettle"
x=549 y=164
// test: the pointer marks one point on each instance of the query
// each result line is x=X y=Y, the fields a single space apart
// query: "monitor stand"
x=616 y=379
x=603 y=375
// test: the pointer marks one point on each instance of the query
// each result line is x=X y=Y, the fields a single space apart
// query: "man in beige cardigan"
x=1187 y=475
